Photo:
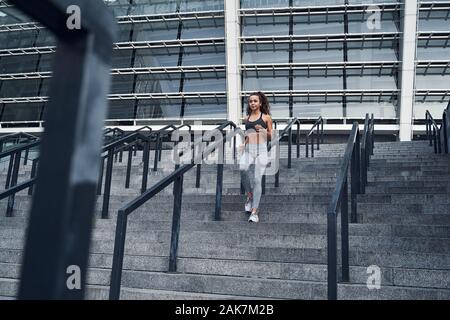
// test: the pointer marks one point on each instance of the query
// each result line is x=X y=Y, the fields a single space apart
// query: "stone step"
x=438 y=279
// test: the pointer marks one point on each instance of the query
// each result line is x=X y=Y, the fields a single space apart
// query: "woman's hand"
x=260 y=128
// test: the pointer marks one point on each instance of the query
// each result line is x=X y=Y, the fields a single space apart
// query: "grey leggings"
x=252 y=165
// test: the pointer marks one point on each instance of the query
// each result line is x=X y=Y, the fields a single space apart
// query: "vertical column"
x=407 y=71
x=233 y=60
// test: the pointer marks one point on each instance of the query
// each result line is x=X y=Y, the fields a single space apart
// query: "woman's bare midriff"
x=252 y=138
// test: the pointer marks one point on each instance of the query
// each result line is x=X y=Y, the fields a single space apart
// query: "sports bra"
x=251 y=124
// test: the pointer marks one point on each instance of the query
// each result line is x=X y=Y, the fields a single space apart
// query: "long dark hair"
x=265 y=105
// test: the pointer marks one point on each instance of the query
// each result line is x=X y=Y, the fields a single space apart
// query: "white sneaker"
x=248 y=205
x=253 y=218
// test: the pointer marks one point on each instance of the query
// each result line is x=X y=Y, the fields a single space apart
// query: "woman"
x=258 y=130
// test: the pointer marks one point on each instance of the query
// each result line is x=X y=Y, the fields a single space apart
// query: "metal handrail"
x=319 y=133
x=358 y=164
x=286 y=131
x=433 y=132
x=175 y=177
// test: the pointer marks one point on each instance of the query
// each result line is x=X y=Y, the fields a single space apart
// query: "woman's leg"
x=260 y=167
x=245 y=168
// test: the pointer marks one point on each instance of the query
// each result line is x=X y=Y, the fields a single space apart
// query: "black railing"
x=358 y=164
x=15 y=155
x=175 y=177
x=286 y=131
x=318 y=129
x=433 y=132
x=445 y=128
x=130 y=142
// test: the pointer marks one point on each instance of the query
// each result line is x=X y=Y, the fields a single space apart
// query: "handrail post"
x=307 y=145
x=129 y=163
x=318 y=137
x=438 y=140
x=160 y=148
x=289 y=148
x=312 y=144
x=10 y=169
x=119 y=249
x=427 y=130
x=25 y=161
x=100 y=175
x=332 y=255
x=15 y=173
x=363 y=169
x=33 y=174
x=198 y=175
x=146 y=165
x=107 y=191
x=344 y=233
x=321 y=130
x=372 y=137
x=155 y=166
x=277 y=175
x=219 y=180
x=176 y=218
x=355 y=179
x=435 y=139
x=298 y=139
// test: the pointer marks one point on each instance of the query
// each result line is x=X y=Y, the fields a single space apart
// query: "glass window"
x=143 y=7
x=432 y=52
x=201 y=5
x=18 y=39
x=313 y=107
x=158 y=83
x=155 y=31
x=433 y=81
x=45 y=38
x=22 y=112
x=211 y=28
x=121 y=109
x=156 y=58
x=122 y=84
x=20 y=88
x=158 y=108
x=265 y=26
x=319 y=24
x=266 y=83
x=434 y=20
x=261 y=54
x=124 y=31
x=206 y=108
x=264 y=3
x=122 y=58
x=20 y=63
x=361 y=23
x=206 y=84
x=46 y=62
x=382 y=106
x=436 y=107
x=193 y=58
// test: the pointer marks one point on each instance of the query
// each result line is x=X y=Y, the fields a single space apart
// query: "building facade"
x=186 y=60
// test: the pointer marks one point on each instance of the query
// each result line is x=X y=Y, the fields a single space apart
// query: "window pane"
x=22 y=112
x=158 y=108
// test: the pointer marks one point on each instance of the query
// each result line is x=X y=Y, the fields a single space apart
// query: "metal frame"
x=316 y=10
x=61 y=215
x=176 y=177
x=358 y=164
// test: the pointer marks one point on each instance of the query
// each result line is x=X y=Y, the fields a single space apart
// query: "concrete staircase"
x=404 y=229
